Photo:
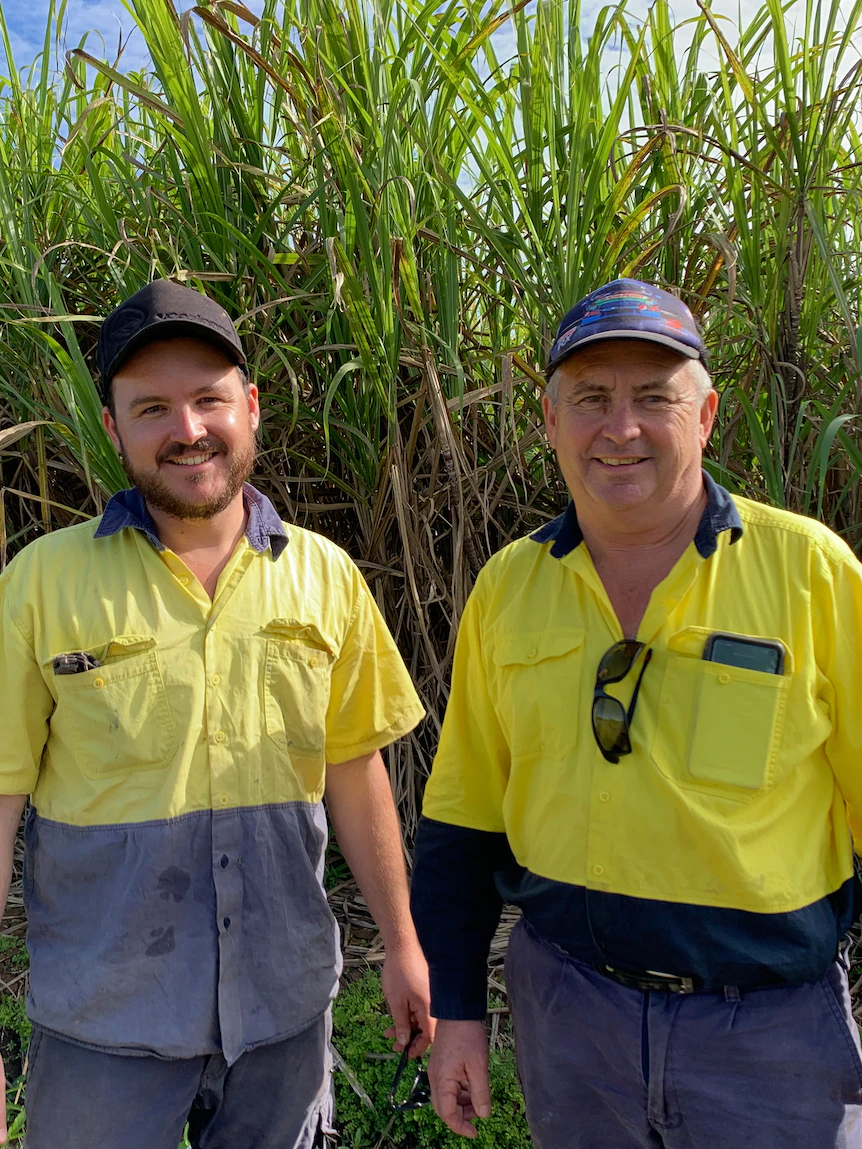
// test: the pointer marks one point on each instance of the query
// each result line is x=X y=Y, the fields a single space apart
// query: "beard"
x=159 y=495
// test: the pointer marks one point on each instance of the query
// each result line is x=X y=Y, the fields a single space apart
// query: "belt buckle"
x=686 y=985
x=680 y=985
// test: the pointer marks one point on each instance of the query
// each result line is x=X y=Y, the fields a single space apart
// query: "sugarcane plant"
x=397 y=200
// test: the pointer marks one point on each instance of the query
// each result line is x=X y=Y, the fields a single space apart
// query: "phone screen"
x=762 y=656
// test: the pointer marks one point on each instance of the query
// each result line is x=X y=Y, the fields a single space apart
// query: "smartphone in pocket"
x=763 y=654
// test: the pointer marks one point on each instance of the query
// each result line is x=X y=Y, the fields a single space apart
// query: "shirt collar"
x=264 y=528
x=128 y=509
x=719 y=515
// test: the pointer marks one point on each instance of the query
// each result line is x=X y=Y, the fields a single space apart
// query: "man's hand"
x=363 y=816
x=458 y=1072
x=405 y=987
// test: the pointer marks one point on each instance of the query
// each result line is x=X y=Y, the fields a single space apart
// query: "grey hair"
x=702 y=380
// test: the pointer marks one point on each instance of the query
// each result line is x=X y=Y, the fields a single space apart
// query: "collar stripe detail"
x=720 y=515
x=128 y=509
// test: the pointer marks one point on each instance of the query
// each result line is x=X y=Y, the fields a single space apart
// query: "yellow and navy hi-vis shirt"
x=175 y=845
x=720 y=847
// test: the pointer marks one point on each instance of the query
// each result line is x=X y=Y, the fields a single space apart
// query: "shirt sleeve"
x=27 y=702
x=462 y=841
x=372 y=701
x=456 y=908
x=839 y=635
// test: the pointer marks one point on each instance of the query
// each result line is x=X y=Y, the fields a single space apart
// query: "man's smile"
x=192 y=460
x=627 y=462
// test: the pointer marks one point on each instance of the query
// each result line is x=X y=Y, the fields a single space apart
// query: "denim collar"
x=128 y=509
x=719 y=515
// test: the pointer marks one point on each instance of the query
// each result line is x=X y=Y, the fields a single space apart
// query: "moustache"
x=211 y=444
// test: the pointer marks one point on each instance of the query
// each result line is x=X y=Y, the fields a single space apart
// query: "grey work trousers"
x=273 y=1097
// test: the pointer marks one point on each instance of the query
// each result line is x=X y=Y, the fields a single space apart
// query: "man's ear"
x=707 y=416
x=253 y=398
x=111 y=427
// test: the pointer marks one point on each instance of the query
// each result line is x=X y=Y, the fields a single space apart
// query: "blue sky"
x=105 y=19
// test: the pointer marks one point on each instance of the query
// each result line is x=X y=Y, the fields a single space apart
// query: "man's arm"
x=461 y=844
x=359 y=800
x=456 y=908
x=11 y=806
x=27 y=708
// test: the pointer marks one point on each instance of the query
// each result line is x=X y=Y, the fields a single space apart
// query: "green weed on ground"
x=14 y=1038
x=359 y=1021
x=14 y=951
x=15 y=1032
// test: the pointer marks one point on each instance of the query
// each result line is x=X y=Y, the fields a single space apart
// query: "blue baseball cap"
x=628 y=309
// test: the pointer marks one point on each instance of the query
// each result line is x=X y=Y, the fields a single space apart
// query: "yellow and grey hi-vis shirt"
x=175 y=845
x=719 y=849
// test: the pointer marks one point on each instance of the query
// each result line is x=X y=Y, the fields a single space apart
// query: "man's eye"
x=152 y=410
x=590 y=400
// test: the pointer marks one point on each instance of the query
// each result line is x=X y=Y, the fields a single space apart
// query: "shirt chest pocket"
x=537 y=685
x=718 y=728
x=116 y=718
x=297 y=673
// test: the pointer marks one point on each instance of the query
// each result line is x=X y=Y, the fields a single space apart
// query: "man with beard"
x=182 y=679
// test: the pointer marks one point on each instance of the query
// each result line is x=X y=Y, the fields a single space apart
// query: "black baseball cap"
x=628 y=309
x=162 y=310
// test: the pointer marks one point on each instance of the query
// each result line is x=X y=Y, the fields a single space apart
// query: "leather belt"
x=650 y=981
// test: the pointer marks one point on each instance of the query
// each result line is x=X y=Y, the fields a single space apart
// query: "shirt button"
x=598 y=870
x=724 y=679
x=226 y=923
x=216 y=679
x=224 y=861
x=98 y=683
x=604 y=796
x=220 y=736
x=312 y=662
x=532 y=653
x=184 y=579
x=224 y=799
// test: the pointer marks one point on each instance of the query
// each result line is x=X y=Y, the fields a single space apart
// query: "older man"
x=182 y=678
x=653 y=746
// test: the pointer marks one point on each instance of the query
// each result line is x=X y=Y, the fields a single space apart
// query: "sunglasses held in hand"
x=420 y=1090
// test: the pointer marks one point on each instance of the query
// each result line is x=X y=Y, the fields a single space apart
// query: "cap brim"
x=643 y=336
x=170 y=329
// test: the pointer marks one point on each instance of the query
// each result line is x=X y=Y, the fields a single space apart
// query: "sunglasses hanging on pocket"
x=611 y=720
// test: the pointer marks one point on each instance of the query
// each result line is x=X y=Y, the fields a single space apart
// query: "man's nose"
x=621 y=424
x=188 y=426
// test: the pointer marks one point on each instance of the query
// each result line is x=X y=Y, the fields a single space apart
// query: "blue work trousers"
x=274 y=1097
x=608 y=1067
